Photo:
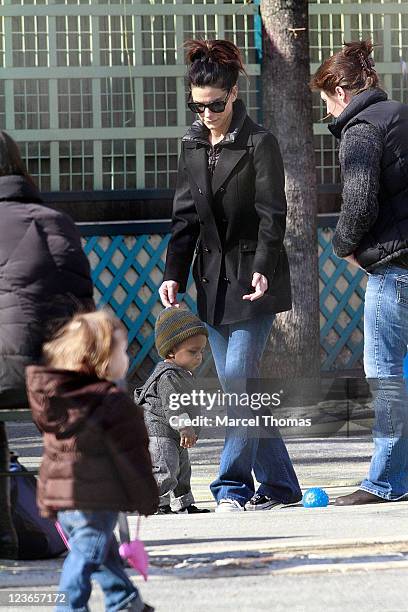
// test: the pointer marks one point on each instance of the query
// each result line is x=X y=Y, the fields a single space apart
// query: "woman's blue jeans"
x=94 y=554
x=237 y=349
x=385 y=346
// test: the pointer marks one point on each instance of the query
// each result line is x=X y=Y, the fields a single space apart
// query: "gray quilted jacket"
x=158 y=397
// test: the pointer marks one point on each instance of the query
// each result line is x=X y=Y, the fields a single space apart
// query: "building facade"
x=94 y=90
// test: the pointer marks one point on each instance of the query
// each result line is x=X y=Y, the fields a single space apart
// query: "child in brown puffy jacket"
x=96 y=460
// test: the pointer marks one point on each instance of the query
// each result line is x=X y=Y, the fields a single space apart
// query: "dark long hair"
x=351 y=68
x=215 y=63
x=10 y=158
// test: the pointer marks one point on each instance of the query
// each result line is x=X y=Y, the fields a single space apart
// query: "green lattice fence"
x=342 y=288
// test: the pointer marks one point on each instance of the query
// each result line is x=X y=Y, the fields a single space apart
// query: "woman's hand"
x=168 y=293
x=260 y=284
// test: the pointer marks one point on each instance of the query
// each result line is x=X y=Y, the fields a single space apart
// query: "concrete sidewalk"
x=289 y=559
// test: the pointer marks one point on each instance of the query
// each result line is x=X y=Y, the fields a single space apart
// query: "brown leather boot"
x=359 y=498
x=8 y=535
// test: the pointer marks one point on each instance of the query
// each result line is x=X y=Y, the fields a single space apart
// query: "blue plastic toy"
x=315 y=498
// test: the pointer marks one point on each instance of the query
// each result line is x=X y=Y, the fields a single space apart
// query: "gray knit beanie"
x=174 y=325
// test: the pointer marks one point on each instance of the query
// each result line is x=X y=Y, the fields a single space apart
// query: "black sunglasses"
x=218 y=106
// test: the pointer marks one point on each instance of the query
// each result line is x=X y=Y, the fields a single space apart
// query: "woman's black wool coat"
x=234 y=222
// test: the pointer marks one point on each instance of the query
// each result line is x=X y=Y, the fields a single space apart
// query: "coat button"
x=200 y=192
x=244 y=246
x=226 y=279
x=204 y=280
x=207 y=250
x=222 y=190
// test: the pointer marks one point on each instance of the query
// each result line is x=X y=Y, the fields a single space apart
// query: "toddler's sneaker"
x=191 y=509
x=165 y=510
x=229 y=505
x=263 y=502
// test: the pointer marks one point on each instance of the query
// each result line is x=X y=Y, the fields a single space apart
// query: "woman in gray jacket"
x=372 y=232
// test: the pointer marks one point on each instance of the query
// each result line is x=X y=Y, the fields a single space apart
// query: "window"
x=74 y=47
x=119 y=164
x=75 y=103
x=30 y=41
x=160 y=101
x=36 y=156
x=76 y=165
x=161 y=159
x=31 y=104
x=117 y=103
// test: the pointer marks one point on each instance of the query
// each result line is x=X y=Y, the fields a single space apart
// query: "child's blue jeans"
x=94 y=554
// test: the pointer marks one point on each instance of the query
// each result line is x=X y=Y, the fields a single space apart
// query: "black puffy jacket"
x=44 y=277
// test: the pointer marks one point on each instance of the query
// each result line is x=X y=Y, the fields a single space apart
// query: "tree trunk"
x=294 y=348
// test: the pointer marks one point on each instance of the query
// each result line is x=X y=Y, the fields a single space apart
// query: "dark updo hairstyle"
x=214 y=63
x=352 y=68
x=10 y=158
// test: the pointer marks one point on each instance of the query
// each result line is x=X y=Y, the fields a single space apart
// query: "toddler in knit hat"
x=180 y=339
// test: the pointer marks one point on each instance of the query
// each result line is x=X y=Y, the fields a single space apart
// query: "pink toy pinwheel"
x=133 y=551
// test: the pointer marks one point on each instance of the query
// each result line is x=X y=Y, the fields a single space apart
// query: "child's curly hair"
x=85 y=343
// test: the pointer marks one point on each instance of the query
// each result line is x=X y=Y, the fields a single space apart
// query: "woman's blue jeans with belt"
x=385 y=346
x=237 y=349
x=94 y=554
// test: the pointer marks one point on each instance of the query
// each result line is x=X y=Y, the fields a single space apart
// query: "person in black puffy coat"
x=44 y=279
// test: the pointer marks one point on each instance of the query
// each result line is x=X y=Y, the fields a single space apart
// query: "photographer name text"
x=225 y=421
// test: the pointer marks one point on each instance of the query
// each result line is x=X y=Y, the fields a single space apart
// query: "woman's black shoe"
x=358 y=498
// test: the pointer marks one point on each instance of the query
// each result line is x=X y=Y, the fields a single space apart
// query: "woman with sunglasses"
x=230 y=211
